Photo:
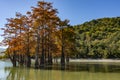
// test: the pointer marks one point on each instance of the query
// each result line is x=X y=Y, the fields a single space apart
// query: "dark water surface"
x=73 y=71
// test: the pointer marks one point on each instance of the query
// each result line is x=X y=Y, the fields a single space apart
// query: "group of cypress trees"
x=39 y=35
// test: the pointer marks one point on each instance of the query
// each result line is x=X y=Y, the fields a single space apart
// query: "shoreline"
x=95 y=60
x=82 y=60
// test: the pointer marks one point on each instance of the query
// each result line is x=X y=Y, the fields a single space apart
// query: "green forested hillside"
x=98 y=38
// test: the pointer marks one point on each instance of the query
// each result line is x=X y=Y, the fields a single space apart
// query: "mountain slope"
x=98 y=38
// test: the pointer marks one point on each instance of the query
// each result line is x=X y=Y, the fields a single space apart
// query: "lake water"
x=75 y=71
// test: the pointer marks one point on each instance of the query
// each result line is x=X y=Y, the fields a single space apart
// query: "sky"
x=77 y=11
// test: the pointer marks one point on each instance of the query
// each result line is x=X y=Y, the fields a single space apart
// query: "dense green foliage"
x=98 y=38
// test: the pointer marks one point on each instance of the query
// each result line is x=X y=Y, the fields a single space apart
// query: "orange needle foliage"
x=37 y=35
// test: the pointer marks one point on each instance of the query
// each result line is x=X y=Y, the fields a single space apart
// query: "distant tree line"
x=98 y=38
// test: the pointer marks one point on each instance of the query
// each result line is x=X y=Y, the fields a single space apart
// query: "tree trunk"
x=28 y=64
x=36 y=62
x=62 y=57
x=14 y=60
x=21 y=60
x=67 y=59
x=42 y=58
x=62 y=52
x=50 y=59
x=49 y=52
x=37 y=52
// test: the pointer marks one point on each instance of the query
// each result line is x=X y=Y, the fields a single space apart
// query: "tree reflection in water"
x=68 y=72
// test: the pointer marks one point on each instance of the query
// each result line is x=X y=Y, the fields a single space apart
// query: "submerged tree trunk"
x=37 y=52
x=50 y=59
x=36 y=62
x=42 y=58
x=67 y=59
x=28 y=62
x=62 y=57
x=21 y=60
x=14 y=59
x=62 y=52
x=49 y=52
